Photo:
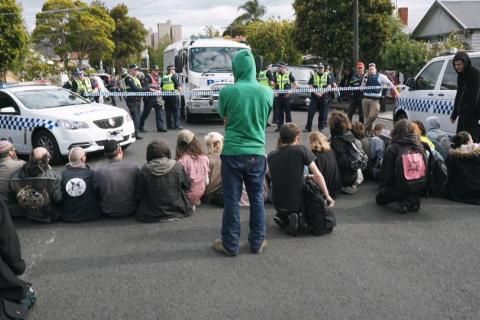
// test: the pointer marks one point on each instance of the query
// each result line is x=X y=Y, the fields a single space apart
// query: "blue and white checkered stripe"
x=443 y=107
x=423 y=105
x=20 y=123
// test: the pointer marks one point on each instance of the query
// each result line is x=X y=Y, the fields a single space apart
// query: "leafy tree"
x=273 y=40
x=253 y=12
x=13 y=35
x=128 y=36
x=34 y=66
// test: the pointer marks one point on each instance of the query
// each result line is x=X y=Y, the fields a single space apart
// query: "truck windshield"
x=212 y=59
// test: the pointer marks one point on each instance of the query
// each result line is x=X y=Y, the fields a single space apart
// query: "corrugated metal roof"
x=466 y=12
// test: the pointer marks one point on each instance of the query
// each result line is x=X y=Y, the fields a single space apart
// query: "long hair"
x=194 y=149
x=421 y=127
x=403 y=128
x=318 y=142
x=358 y=130
x=339 y=122
x=214 y=142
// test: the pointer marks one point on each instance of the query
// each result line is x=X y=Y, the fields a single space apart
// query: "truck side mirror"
x=178 y=63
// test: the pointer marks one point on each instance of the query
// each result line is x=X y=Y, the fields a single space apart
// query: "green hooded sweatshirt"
x=247 y=106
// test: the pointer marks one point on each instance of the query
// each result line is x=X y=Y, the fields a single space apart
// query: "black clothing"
x=284 y=109
x=467 y=99
x=327 y=164
x=320 y=105
x=115 y=188
x=79 y=200
x=152 y=102
x=463 y=175
x=132 y=87
x=161 y=189
x=11 y=262
x=356 y=100
x=340 y=142
x=286 y=167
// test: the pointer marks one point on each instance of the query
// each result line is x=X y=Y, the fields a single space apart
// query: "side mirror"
x=8 y=110
x=410 y=82
x=178 y=63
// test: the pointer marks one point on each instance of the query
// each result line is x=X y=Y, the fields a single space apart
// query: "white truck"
x=203 y=64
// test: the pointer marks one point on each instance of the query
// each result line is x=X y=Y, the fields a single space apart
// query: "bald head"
x=39 y=153
x=77 y=157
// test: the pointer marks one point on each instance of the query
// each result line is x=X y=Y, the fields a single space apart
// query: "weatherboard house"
x=446 y=17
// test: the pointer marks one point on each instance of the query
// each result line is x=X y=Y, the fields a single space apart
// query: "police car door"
x=10 y=126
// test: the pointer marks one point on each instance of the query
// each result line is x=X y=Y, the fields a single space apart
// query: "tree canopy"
x=253 y=11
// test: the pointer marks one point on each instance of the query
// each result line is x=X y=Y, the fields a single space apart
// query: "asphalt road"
x=375 y=265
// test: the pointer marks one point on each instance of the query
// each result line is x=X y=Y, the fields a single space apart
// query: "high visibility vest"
x=137 y=82
x=81 y=90
x=283 y=80
x=320 y=81
x=263 y=79
x=87 y=84
x=167 y=83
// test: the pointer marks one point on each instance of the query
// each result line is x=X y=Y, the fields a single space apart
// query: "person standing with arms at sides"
x=80 y=85
x=152 y=83
x=467 y=100
x=245 y=108
x=265 y=77
x=356 y=101
x=371 y=97
x=133 y=84
x=319 y=80
x=283 y=80
x=170 y=83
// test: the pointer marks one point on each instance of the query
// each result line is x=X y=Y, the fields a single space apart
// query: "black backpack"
x=318 y=217
x=411 y=174
x=355 y=156
x=437 y=173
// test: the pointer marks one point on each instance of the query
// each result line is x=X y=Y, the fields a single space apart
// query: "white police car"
x=55 y=118
x=432 y=92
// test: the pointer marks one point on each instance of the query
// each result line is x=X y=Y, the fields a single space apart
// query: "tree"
x=253 y=12
x=128 y=36
x=273 y=40
x=156 y=54
x=13 y=37
x=34 y=66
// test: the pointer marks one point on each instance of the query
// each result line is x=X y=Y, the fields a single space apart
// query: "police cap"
x=133 y=66
x=170 y=67
x=155 y=67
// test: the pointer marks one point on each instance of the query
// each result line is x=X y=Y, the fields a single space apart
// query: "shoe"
x=349 y=190
x=218 y=247
x=162 y=130
x=277 y=130
x=293 y=224
x=262 y=246
x=143 y=130
x=306 y=130
x=280 y=222
x=414 y=205
x=138 y=137
x=178 y=128
x=402 y=207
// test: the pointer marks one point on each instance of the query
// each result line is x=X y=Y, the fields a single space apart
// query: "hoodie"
x=437 y=136
x=340 y=142
x=246 y=106
x=468 y=92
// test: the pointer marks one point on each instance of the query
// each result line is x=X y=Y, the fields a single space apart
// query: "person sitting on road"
x=403 y=172
x=9 y=163
x=115 y=183
x=421 y=132
x=287 y=171
x=358 y=131
x=36 y=188
x=190 y=154
x=326 y=161
x=15 y=292
x=79 y=199
x=340 y=138
x=378 y=144
x=214 y=191
x=162 y=185
x=463 y=164
x=438 y=137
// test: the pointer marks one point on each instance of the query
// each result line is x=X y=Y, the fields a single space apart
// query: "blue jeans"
x=236 y=170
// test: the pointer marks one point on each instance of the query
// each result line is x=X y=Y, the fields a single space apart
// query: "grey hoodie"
x=437 y=135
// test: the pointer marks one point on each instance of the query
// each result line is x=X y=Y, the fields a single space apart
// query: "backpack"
x=437 y=173
x=411 y=170
x=355 y=156
x=318 y=218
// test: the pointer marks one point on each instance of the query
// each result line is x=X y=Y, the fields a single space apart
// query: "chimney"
x=403 y=14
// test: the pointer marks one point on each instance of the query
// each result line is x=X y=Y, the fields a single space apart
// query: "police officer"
x=265 y=77
x=132 y=84
x=170 y=83
x=321 y=79
x=81 y=84
x=152 y=83
x=356 y=101
x=283 y=80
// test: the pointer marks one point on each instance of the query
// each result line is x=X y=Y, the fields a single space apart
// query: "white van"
x=432 y=93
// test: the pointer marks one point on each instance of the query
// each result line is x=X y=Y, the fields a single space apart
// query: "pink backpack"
x=411 y=171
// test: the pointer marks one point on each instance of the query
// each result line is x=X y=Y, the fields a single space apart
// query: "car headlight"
x=129 y=117
x=72 y=125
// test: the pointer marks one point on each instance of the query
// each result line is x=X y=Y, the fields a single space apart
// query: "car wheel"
x=46 y=140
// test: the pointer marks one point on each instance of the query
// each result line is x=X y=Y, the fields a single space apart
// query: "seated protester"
x=438 y=137
x=9 y=163
x=14 y=292
x=378 y=144
x=36 y=188
x=189 y=153
x=214 y=191
x=358 y=131
x=162 y=185
x=463 y=164
x=421 y=132
x=326 y=162
x=79 y=199
x=403 y=176
x=115 y=183
x=340 y=140
x=287 y=168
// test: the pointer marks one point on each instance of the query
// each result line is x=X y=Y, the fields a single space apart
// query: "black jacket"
x=464 y=175
x=340 y=142
x=11 y=262
x=161 y=189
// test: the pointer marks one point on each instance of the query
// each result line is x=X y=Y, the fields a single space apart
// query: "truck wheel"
x=45 y=139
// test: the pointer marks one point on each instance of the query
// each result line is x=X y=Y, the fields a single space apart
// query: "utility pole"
x=356 y=50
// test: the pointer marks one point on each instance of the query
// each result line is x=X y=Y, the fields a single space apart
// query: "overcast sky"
x=194 y=15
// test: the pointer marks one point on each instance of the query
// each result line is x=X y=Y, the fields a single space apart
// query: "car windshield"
x=212 y=59
x=301 y=74
x=49 y=98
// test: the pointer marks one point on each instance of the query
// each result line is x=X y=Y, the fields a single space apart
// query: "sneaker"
x=280 y=222
x=142 y=130
x=306 y=130
x=138 y=137
x=293 y=224
x=262 y=246
x=402 y=207
x=218 y=247
x=414 y=205
x=349 y=190
x=277 y=130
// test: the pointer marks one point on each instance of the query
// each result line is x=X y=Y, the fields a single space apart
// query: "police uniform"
x=282 y=101
x=132 y=84
x=320 y=104
x=170 y=83
x=152 y=81
x=356 y=101
x=265 y=78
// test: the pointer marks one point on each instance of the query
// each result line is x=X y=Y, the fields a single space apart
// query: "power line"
x=143 y=5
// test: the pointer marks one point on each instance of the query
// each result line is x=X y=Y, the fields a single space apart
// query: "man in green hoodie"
x=245 y=108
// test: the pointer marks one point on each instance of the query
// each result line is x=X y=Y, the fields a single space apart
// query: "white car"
x=432 y=92
x=57 y=119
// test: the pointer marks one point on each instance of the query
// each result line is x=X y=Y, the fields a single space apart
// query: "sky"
x=194 y=15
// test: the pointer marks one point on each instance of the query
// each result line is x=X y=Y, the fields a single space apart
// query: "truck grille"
x=110 y=123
